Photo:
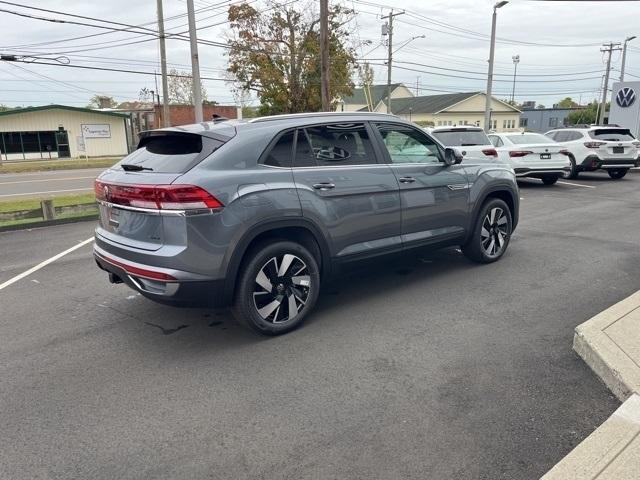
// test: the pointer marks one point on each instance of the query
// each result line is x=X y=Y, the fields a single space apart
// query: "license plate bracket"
x=618 y=149
x=545 y=156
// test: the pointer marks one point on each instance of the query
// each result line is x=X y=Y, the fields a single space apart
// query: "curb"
x=610 y=344
x=48 y=223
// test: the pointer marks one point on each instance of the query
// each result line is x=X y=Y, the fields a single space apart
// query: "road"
x=57 y=182
x=423 y=367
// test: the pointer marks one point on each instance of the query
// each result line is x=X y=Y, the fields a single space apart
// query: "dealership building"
x=59 y=131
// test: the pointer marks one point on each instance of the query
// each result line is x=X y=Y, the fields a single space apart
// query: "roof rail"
x=286 y=116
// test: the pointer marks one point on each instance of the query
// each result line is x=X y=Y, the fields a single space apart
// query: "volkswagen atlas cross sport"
x=256 y=214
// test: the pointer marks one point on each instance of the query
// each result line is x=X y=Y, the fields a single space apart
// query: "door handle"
x=323 y=186
x=406 y=179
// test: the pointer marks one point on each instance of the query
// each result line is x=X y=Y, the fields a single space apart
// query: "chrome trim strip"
x=155 y=211
x=458 y=186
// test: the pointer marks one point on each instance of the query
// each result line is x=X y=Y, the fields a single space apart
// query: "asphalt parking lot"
x=423 y=367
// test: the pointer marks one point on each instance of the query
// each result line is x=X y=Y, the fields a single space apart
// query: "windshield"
x=612 y=134
x=169 y=153
x=462 y=138
x=529 y=139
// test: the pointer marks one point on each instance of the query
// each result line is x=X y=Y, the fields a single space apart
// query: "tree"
x=275 y=52
x=102 y=101
x=146 y=95
x=567 y=103
x=181 y=88
x=4 y=108
x=585 y=115
x=540 y=106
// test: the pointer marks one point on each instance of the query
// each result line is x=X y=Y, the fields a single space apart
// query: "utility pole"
x=195 y=62
x=166 y=121
x=624 y=56
x=389 y=31
x=608 y=48
x=324 y=55
x=492 y=48
x=516 y=61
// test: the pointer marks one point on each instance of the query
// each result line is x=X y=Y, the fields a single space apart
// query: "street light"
x=487 y=106
x=624 y=56
x=516 y=61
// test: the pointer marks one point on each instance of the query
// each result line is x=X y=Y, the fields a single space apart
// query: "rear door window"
x=334 y=145
x=612 y=134
x=462 y=138
x=170 y=153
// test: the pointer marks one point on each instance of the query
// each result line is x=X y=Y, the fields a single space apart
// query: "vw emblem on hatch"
x=625 y=97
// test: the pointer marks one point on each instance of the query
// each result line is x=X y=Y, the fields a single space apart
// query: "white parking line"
x=48 y=191
x=44 y=264
x=576 y=184
x=45 y=180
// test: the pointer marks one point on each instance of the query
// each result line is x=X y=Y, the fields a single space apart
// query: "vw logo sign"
x=625 y=97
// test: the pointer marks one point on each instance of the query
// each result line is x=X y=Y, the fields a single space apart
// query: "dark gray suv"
x=257 y=214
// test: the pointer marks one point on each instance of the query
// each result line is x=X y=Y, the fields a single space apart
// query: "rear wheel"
x=278 y=285
x=549 y=179
x=617 y=173
x=491 y=233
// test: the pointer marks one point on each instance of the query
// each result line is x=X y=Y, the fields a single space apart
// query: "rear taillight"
x=594 y=144
x=636 y=144
x=565 y=152
x=519 y=153
x=491 y=152
x=160 y=197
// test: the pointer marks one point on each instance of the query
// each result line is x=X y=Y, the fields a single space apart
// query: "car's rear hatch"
x=139 y=195
x=614 y=143
x=539 y=155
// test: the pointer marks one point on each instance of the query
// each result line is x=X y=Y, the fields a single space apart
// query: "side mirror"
x=452 y=156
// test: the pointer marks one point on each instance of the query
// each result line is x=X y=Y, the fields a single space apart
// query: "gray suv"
x=258 y=214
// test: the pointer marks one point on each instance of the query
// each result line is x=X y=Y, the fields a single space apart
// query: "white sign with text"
x=96 y=130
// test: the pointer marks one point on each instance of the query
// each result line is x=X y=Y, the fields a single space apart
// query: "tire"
x=617 y=173
x=549 y=180
x=489 y=229
x=276 y=277
x=573 y=173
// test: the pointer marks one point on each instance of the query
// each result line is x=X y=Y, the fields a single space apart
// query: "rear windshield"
x=612 y=134
x=462 y=138
x=530 y=139
x=170 y=153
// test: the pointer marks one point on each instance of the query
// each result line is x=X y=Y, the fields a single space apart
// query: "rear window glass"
x=170 y=153
x=612 y=134
x=462 y=138
x=529 y=139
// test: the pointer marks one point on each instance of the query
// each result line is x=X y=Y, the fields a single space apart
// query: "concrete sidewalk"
x=610 y=344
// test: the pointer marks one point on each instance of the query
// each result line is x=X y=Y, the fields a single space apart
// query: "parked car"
x=257 y=213
x=532 y=155
x=606 y=147
x=471 y=141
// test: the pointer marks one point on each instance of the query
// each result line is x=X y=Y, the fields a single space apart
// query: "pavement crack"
x=167 y=331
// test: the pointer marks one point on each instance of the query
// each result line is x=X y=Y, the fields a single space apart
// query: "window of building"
x=495 y=125
x=42 y=144
x=553 y=122
x=524 y=122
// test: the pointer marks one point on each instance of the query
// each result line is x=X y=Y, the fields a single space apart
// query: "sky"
x=558 y=43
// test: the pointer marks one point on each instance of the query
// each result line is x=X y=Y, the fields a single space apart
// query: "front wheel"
x=278 y=285
x=617 y=173
x=491 y=232
x=549 y=180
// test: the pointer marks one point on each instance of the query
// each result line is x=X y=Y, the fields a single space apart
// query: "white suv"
x=608 y=147
x=470 y=141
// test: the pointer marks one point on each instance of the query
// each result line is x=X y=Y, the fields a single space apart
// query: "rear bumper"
x=539 y=172
x=593 y=162
x=163 y=285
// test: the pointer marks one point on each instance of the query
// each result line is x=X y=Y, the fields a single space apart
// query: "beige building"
x=58 y=131
x=434 y=110
x=454 y=109
x=366 y=100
